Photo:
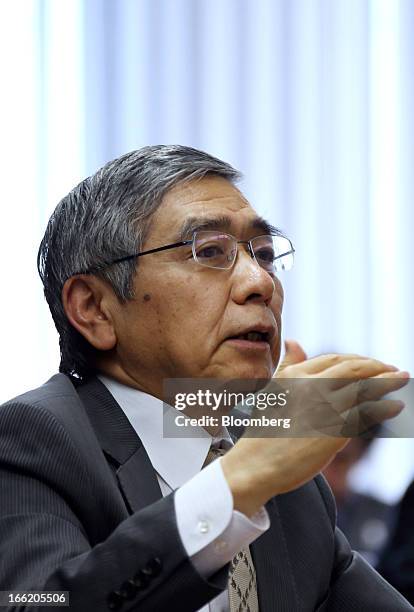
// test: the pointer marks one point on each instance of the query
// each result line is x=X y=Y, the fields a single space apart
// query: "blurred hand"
x=326 y=393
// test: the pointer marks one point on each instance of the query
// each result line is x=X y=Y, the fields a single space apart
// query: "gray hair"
x=107 y=216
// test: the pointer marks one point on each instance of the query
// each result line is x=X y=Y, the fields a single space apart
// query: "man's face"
x=188 y=320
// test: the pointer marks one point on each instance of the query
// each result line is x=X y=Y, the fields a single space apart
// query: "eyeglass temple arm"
x=163 y=248
x=133 y=256
x=292 y=250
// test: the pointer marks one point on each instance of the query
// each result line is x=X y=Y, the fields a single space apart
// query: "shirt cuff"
x=212 y=532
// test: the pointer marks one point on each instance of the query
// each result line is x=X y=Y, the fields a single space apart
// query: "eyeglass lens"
x=218 y=250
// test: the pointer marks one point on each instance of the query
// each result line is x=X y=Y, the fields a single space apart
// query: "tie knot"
x=214 y=453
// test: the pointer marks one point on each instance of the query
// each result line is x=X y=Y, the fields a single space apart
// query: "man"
x=158 y=268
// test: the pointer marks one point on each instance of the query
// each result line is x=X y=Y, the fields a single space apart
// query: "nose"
x=250 y=281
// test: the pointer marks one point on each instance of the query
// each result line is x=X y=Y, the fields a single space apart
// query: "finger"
x=294 y=354
x=369 y=388
x=318 y=364
x=356 y=392
x=364 y=417
x=373 y=413
x=378 y=386
x=402 y=374
x=357 y=367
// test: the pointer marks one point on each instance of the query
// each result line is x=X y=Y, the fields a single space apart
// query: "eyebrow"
x=196 y=224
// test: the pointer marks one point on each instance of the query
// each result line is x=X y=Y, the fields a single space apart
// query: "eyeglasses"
x=218 y=250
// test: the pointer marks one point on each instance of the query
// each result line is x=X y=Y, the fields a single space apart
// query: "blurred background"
x=311 y=99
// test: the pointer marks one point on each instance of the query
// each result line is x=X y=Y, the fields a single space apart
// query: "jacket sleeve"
x=46 y=497
x=355 y=585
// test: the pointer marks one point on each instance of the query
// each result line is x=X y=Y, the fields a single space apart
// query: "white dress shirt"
x=212 y=532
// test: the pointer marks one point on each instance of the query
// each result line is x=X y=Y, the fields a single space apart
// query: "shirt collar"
x=175 y=459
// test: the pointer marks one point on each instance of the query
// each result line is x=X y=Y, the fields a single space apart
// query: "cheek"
x=171 y=313
x=195 y=316
x=183 y=314
x=195 y=319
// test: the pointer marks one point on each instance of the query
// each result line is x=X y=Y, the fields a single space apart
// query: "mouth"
x=254 y=339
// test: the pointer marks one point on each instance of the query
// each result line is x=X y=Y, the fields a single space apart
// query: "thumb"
x=294 y=353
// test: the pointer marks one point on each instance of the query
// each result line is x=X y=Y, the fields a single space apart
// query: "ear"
x=86 y=300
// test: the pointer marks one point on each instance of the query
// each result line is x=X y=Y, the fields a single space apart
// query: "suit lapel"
x=121 y=445
x=138 y=481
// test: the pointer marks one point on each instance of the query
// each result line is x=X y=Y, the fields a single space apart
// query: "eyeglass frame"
x=186 y=242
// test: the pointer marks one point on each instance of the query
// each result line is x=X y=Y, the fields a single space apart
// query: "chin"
x=249 y=380
x=250 y=371
x=235 y=367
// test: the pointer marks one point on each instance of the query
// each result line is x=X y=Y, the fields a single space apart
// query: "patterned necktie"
x=242 y=585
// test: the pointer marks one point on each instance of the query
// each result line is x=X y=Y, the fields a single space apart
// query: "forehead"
x=209 y=197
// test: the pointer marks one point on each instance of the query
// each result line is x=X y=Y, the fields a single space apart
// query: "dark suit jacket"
x=397 y=561
x=81 y=511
